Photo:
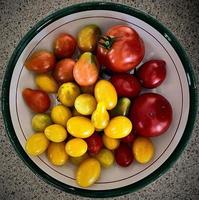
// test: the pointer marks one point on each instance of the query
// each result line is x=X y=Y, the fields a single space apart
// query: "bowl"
x=179 y=88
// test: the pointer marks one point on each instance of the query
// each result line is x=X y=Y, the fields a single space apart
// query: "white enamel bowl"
x=179 y=88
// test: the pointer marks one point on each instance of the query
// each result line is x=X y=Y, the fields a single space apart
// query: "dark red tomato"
x=151 y=114
x=121 y=49
x=152 y=73
x=123 y=155
x=64 y=46
x=129 y=138
x=126 y=85
x=37 y=100
x=41 y=62
x=94 y=143
x=64 y=70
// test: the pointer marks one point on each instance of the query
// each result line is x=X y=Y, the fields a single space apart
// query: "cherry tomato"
x=129 y=138
x=37 y=100
x=64 y=46
x=152 y=73
x=41 y=62
x=94 y=143
x=121 y=49
x=126 y=85
x=86 y=69
x=123 y=155
x=63 y=71
x=151 y=114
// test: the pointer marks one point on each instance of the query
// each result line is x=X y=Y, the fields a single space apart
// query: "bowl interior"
x=174 y=88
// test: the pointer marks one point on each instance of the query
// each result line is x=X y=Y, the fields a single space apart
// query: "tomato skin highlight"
x=121 y=49
x=151 y=114
x=152 y=73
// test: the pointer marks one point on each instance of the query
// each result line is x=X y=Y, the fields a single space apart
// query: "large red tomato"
x=121 y=49
x=151 y=114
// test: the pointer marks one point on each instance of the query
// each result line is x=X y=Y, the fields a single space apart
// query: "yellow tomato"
x=78 y=160
x=75 y=113
x=110 y=143
x=143 y=150
x=88 y=172
x=55 y=133
x=105 y=92
x=67 y=93
x=60 y=115
x=80 y=127
x=100 y=116
x=57 y=154
x=118 y=127
x=85 y=104
x=105 y=157
x=46 y=83
x=36 y=144
x=76 y=147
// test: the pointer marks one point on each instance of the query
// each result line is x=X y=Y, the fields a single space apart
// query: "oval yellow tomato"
x=105 y=157
x=110 y=143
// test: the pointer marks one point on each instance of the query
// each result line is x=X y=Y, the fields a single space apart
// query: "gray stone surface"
x=17 y=181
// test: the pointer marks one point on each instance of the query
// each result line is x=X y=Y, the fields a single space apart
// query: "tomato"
x=41 y=62
x=152 y=73
x=77 y=160
x=46 y=83
x=88 y=37
x=86 y=69
x=63 y=71
x=37 y=100
x=121 y=49
x=126 y=85
x=94 y=143
x=88 y=172
x=123 y=155
x=64 y=46
x=129 y=138
x=110 y=143
x=106 y=93
x=36 y=144
x=151 y=114
x=105 y=157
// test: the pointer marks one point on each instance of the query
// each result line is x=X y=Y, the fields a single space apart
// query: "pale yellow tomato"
x=80 y=127
x=57 y=154
x=105 y=157
x=46 y=83
x=88 y=172
x=60 y=114
x=110 y=143
x=118 y=127
x=36 y=144
x=55 y=133
x=143 y=150
x=105 y=92
x=67 y=93
x=76 y=147
x=85 y=104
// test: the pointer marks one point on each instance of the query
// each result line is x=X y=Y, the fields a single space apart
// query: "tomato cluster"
x=97 y=121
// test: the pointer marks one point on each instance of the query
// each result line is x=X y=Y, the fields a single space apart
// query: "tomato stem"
x=107 y=42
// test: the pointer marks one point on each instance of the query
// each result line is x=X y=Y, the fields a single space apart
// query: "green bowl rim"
x=112 y=7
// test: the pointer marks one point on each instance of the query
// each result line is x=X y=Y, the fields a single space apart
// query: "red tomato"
x=64 y=70
x=64 y=46
x=41 y=62
x=152 y=73
x=121 y=49
x=94 y=143
x=129 y=138
x=126 y=85
x=37 y=100
x=151 y=114
x=123 y=155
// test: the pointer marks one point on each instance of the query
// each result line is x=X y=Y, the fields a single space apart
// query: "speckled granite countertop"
x=17 y=181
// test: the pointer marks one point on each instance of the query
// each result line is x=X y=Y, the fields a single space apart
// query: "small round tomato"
x=110 y=143
x=37 y=100
x=126 y=85
x=123 y=155
x=94 y=143
x=129 y=138
x=41 y=62
x=105 y=157
x=64 y=46
x=152 y=73
x=63 y=71
x=151 y=114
